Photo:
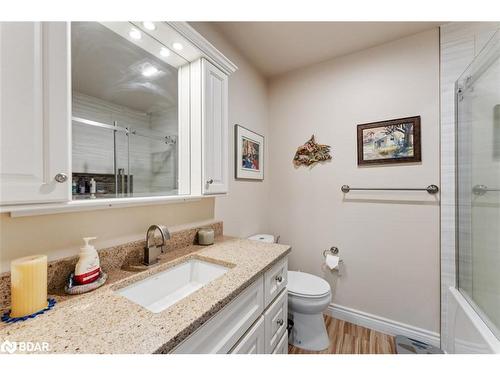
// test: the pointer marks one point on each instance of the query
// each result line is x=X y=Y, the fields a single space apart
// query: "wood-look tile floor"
x=348 y=338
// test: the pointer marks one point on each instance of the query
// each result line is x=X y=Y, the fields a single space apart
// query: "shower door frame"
x=480 y=64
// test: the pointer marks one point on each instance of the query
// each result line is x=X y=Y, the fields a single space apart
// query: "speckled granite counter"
x=105 y=322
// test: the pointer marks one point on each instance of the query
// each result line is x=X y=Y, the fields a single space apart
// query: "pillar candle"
x=28 y=285
x=206 y=236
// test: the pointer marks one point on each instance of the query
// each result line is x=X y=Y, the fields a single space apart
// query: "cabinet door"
x=253 y=341
x=224 y=329
x=275 y=320
x=215 y=129
x=34 y=112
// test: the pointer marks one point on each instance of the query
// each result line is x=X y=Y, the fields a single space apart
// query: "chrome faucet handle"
x=151 y=250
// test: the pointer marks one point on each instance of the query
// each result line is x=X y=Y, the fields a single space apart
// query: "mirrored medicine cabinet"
x=114 y=113
x=125 y=112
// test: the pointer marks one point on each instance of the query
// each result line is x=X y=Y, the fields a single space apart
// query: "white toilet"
x=308 y=298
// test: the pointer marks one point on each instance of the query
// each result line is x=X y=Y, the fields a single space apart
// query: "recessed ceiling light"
x=164 y=52
x=177 y=46
x=135 y=34
x=149 y=71
x=149 y=25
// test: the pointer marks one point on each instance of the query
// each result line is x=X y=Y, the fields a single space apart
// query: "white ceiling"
x=277 y=47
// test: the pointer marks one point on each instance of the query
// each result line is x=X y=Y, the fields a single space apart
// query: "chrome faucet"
x=152 y=251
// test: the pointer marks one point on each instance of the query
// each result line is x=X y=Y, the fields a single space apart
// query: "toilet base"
x=309 y=332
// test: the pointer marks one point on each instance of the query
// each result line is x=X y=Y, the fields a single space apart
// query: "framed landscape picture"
x=249 y=152
x=388 y=142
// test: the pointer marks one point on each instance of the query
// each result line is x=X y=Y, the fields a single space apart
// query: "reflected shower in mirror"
x=124 y=114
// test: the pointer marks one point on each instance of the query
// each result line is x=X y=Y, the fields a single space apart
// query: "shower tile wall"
x=460 y=43
x=152 y=164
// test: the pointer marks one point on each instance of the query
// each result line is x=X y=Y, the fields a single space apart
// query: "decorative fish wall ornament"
x=311 y=153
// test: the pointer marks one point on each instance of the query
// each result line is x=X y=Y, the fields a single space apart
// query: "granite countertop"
x=102 y=321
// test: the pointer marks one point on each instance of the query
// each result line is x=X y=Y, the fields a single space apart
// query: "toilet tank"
x=268 y=238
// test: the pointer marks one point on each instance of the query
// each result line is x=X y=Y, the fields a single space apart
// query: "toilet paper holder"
x=332 y=250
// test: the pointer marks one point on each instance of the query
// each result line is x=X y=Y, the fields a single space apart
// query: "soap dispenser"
x=87 y=269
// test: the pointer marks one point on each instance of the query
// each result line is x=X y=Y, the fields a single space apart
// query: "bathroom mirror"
x=125 y=112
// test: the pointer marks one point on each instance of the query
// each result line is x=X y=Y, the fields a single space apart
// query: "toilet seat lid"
x=305 y=284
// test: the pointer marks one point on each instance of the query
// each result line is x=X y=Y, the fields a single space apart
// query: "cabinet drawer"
x=222 y=331
x=275 y=280
x=253 y=341
x=275 y=319
x=282 y=346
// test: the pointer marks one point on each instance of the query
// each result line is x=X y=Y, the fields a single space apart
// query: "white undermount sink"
x=163 y=289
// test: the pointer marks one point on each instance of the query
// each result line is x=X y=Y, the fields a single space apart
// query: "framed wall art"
x=388 y=142
x=249 y=154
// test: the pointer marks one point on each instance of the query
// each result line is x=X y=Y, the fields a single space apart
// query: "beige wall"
x=61 y=235
x=389 y=241
x=244 y=209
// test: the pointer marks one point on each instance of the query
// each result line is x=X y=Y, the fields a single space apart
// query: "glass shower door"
x=478 y=184
x=153 y=163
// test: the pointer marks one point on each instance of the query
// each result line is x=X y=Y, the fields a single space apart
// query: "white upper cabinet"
x=214 y=129
x=76 y=135
x=34 y=113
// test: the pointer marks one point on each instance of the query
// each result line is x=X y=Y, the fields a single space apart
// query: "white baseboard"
x=384 y=325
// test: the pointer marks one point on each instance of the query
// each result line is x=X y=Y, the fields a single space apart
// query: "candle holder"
x=6 y=318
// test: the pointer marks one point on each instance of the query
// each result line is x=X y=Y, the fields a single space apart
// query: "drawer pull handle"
x=279 y=278
x=280 y=322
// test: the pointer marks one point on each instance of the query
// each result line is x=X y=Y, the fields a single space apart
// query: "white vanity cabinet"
x=254 y=341
x=214 y=100
x=247 y=325
x=34 y=112
x=222 y=332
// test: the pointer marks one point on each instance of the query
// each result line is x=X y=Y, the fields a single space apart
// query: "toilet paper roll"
x=332 y=261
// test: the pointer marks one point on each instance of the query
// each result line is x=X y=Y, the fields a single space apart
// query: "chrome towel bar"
x=431 y=189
